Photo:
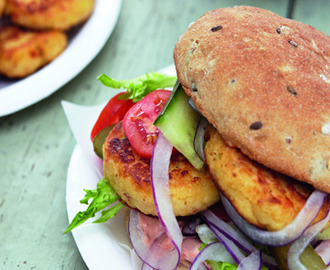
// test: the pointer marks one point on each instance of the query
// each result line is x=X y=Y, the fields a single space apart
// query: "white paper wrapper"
x=104 y=245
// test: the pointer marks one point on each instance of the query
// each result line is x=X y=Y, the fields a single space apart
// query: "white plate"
x=104 y=245
x=81 y=50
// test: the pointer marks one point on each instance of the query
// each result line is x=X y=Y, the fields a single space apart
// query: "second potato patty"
x=263 y=197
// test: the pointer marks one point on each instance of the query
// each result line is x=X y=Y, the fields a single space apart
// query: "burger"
x=232 y=168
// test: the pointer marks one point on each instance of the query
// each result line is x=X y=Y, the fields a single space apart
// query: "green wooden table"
x=36 y=143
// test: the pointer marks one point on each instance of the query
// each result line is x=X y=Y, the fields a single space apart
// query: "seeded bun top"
x=264 y=82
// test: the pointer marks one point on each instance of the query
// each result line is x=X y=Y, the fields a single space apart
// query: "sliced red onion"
x=146 y=267
x=323 y=249
x=159 y=166
x=231 y=247
x=298 y=246
x=213 y=251
x=199 y=138
x=192 y=104
x=253 y=261
x=289 y=233
x=236 y=236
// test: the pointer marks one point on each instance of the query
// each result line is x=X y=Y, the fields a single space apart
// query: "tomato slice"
x=112 y=113
x=138 y=122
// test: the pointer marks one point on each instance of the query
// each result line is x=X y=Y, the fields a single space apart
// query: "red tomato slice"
x=138 y=122
x=112 y=113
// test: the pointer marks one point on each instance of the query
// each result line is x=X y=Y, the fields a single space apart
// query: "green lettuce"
x=103 y=196
x=217 y=265
x=221 y=266
x=139 y=87
x=226 y=266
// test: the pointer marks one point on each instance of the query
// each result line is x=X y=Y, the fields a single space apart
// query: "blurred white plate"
x=83 y=46
x=103 y=245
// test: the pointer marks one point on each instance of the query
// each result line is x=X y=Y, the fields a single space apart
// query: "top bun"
x=264 y=82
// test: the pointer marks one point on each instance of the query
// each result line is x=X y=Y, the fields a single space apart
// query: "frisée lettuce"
x=103 y=196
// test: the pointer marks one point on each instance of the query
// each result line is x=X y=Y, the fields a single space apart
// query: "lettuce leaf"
x=102 y=196
x=222 y=266
x=226 y=266
x=139 y=87
x=217 y=265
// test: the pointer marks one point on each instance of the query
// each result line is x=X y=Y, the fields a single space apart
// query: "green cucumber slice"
x=309 y=258
x=178 y=122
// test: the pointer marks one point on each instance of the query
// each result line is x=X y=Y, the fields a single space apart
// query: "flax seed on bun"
x=264 y=82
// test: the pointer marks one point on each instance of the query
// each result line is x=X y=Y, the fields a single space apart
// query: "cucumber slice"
x=100 y=139
x=309 y=258
x=178 y=122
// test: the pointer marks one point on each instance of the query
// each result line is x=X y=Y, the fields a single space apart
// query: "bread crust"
x=264 y=82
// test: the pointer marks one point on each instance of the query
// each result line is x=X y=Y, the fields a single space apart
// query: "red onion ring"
x=199 y=138
x=238 y=238
x=323 y=249
x=146 y=267
x=231 y=247
x=192 y=104
x=159 y=166
x=298 y=246
x=289 y=233
x=253 y=261
x=213 y=251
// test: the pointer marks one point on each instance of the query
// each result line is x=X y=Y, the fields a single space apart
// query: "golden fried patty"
x=49 y=14
x=263 y=197
x=2 y=5
x=191 y=191
x=23 y=52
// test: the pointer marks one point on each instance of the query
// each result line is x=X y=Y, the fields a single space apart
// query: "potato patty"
x=23 y=52
x=2 y=5
x=49 y=14
x=191 y=191
x=263 y=197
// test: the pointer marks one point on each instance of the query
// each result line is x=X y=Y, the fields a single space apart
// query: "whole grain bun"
x=264 y=82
